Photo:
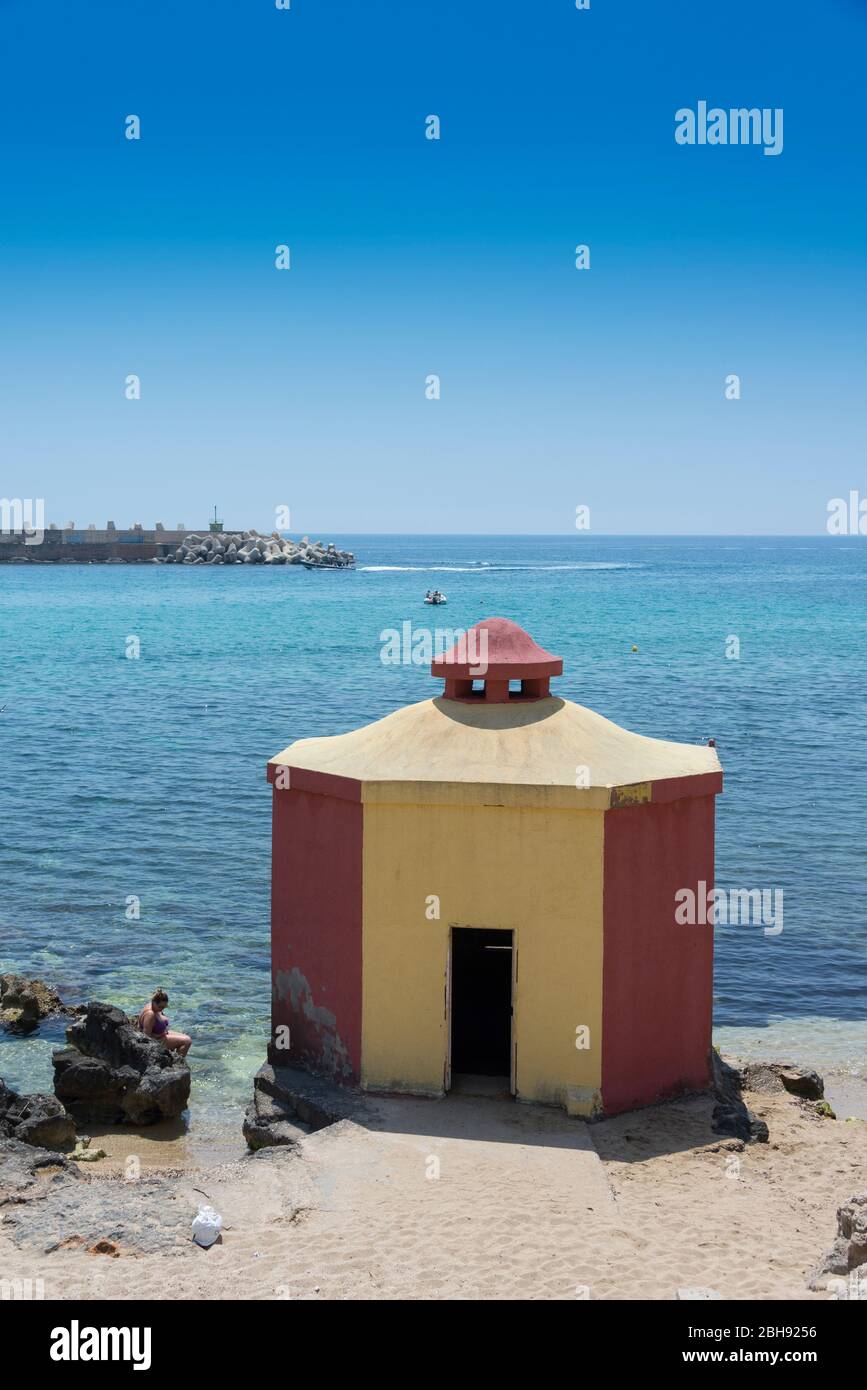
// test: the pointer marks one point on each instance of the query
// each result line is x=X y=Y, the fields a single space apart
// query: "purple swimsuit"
x=161 y=1025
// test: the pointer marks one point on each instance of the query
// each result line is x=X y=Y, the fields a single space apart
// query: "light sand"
x=475 y=1198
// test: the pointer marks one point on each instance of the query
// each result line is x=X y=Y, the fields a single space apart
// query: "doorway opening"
x=481 y=1010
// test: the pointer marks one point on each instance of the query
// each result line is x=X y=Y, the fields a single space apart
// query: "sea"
x=139 y=705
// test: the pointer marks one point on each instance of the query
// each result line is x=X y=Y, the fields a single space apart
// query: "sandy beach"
x=464 y=1198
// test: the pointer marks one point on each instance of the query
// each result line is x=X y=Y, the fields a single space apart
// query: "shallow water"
x=146 y=777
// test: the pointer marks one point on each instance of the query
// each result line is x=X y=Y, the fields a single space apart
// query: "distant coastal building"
x=91 y=544
x=479 y=891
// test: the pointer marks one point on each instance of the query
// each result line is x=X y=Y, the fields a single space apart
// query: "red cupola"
x=495 y=652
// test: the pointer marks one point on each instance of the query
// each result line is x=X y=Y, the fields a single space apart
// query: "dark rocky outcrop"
x=730 y=1115
x=849 y=1251
x=35 y=1119
x=25 y=1003
x=113 y=1074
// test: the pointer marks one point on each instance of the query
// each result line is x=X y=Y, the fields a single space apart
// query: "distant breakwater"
x=138 y=545
x=249 y=548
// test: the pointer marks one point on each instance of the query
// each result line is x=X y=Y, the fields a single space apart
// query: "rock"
x=726 y=1080
x=24 y=1003
x=99 y=1217
x=823 y=1108
x=115 y=1074
x=250 y=548
x=269 y=1122
x=730 y=1115
x=802 y=1082
x=771 y=1077
x=738 y=1122
x=28 y=1173
x=762 y=1077
x=35 y=1119
x=83 y=1153
x=849 y=1250
x=92 y=1088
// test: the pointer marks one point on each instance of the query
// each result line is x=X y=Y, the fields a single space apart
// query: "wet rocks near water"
x=25 y=1003
x=249 y=548
x=730 y=1116
x=849 y=1251
x=771 y=1078
x=800 y=1081
x=37 y=1119
x=113 y=1074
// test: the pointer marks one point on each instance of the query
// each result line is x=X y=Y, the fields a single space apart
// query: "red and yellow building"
x=484 y=884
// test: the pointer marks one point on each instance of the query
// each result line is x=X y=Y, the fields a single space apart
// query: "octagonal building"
x=478 y=892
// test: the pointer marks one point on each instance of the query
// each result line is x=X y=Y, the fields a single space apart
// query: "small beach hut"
x=479 y=892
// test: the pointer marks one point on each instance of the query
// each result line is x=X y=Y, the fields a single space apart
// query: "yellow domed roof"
x=558 y=752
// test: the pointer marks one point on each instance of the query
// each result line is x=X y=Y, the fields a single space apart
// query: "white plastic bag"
x=207 y=1225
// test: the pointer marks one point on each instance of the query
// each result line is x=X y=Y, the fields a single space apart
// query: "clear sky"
x=409 y=257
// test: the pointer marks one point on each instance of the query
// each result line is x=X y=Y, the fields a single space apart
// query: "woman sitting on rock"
x=154 y=1023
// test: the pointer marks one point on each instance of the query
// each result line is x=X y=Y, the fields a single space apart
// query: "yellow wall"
x=537 y=873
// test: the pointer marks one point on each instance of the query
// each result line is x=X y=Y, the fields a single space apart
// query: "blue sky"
x=306 y=388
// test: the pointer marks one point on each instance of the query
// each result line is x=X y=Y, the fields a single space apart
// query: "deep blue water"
x=147 y=777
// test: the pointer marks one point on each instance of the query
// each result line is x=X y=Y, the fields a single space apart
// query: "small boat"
x=434 y=596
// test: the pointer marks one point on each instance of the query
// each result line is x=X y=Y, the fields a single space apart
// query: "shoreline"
x=462 y=1198
x=186 y=1145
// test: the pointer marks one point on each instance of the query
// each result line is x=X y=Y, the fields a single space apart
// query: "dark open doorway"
x=481 y=1004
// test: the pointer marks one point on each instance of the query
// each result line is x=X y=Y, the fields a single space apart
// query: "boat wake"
x=486 y=567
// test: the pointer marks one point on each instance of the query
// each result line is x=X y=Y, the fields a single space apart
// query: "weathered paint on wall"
x=316 y=900
x=657 y=974
x=537 y=873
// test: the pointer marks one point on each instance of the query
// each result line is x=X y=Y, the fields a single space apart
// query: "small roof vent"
x=494 y=653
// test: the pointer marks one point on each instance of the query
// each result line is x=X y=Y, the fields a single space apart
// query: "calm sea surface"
x=146 y=778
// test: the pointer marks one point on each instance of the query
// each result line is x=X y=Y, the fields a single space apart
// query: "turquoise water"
x=147 y=777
